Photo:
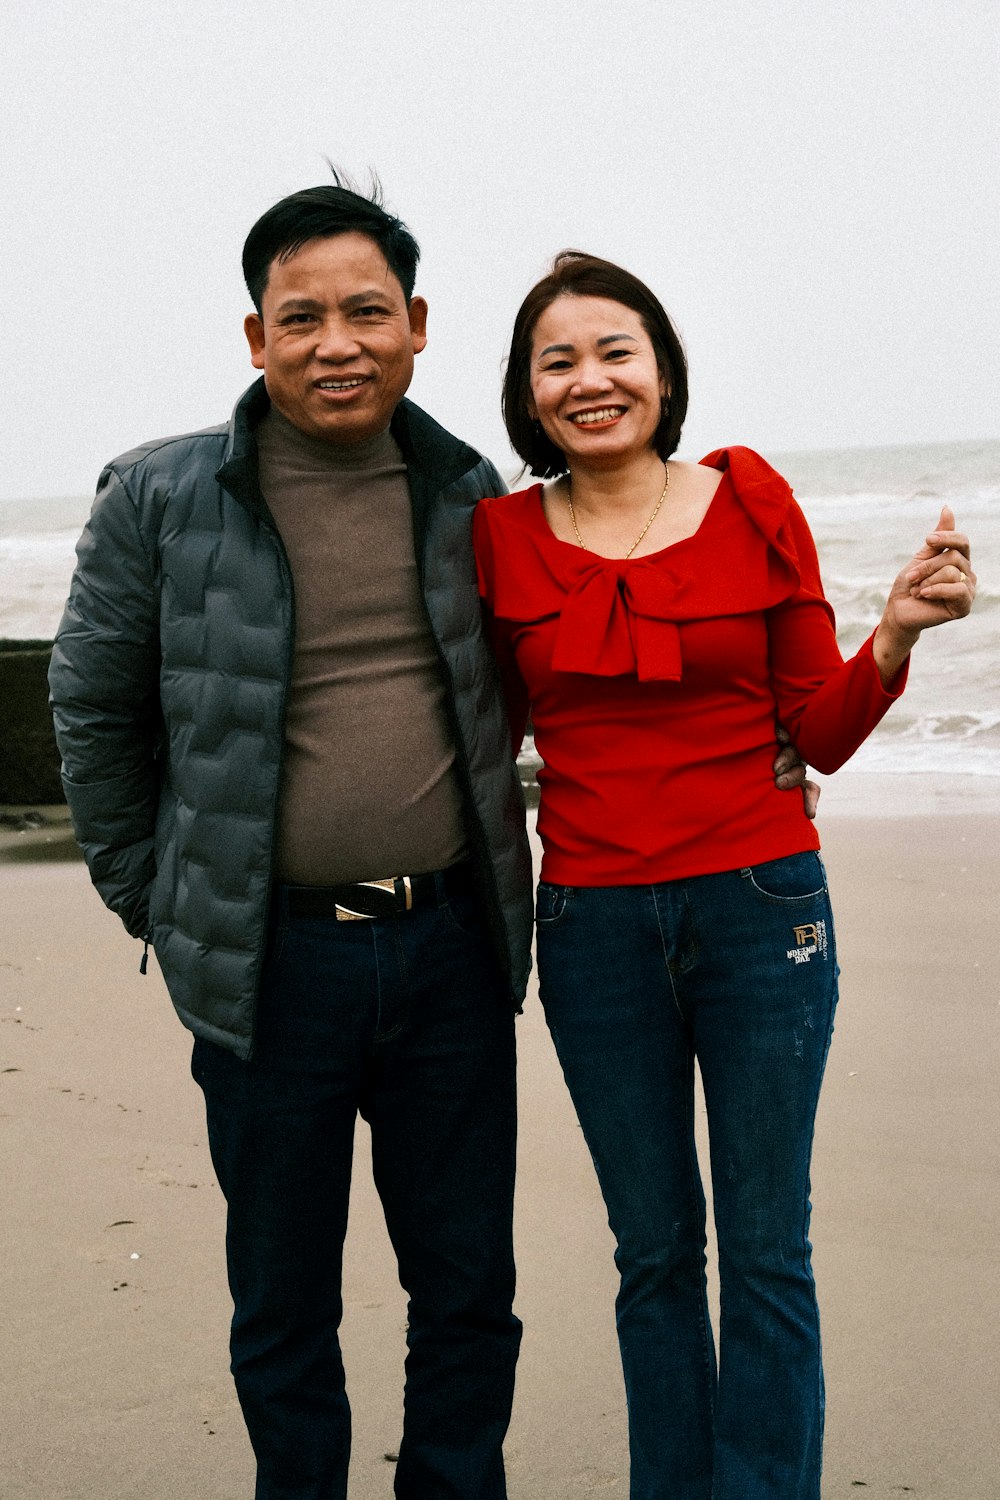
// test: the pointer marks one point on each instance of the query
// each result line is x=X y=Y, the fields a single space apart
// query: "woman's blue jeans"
x=739 y=971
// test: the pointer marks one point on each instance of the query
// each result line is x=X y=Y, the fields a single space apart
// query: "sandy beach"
x=115 y=1384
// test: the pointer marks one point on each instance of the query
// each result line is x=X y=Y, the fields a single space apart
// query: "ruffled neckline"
x=546 y=532
x=618 y=616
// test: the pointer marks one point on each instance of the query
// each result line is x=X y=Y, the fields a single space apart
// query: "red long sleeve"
x=655 y=683
x=828 y=706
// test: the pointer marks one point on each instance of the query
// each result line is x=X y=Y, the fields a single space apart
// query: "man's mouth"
x=601 y=414
x=341 y=385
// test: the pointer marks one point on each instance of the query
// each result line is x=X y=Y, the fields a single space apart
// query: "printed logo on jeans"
x=810 y=941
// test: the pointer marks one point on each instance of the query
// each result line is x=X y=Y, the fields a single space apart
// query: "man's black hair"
x=317 y=212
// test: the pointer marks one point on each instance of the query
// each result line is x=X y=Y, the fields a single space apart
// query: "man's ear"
x=417 y=312
x=253 y=327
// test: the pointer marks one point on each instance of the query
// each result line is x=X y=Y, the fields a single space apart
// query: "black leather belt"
x=369 y=899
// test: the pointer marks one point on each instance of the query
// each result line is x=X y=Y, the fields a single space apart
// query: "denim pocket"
x=552 y=903
x=796 y=877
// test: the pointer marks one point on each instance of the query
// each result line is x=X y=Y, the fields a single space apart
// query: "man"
x=238 y=773
x=288 y=765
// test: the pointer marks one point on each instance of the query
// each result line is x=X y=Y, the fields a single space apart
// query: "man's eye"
x=371 y=311
x=301 y=317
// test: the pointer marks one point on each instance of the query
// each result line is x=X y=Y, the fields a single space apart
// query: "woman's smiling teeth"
x=602 y=414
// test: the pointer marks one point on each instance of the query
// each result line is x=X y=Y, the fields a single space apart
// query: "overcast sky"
x=812 y=189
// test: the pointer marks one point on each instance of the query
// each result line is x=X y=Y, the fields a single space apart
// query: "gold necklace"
x=642 y=533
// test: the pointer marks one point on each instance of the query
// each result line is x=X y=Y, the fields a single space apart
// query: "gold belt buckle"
x=345 y=914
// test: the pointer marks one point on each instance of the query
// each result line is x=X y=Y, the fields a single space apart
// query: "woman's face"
x=595 y=385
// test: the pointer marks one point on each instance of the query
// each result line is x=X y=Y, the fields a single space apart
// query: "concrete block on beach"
x=29 y=760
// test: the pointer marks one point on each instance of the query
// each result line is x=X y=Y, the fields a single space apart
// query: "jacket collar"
x=434 y=458
x=238 y=473
x=430 y=451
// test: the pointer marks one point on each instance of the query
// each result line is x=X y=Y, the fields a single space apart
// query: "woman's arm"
x=830 y=706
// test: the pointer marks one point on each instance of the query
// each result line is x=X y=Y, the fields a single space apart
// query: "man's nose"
x=337 y=341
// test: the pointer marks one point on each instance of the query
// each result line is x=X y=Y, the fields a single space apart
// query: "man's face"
x=335 y=338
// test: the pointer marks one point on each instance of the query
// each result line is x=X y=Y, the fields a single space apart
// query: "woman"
x=657 y=618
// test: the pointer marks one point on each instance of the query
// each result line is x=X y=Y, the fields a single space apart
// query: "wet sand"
x=115 y=1381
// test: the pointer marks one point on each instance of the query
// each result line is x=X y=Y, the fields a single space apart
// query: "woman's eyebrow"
x=609 y=338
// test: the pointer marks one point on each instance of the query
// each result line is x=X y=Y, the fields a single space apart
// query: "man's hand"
x=790 y=772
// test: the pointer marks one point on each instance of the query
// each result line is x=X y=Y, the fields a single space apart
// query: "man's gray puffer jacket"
x=168 y=684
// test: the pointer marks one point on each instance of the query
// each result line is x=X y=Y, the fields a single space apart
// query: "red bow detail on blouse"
x=615 y=617
x=617 y=621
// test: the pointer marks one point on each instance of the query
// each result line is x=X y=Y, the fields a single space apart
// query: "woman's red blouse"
x=654 y=684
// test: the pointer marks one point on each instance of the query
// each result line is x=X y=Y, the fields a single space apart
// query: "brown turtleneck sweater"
x=369 y=786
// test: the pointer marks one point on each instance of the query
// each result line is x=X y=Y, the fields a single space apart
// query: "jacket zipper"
x=286 y=571
x=478 y=831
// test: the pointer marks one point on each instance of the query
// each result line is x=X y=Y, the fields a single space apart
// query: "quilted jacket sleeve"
x=104 y=692
x=500 y=631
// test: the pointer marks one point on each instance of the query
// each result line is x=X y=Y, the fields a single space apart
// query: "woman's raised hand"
x=937 y=585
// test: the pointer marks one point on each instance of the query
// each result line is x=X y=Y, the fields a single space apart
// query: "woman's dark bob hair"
x=575 y=274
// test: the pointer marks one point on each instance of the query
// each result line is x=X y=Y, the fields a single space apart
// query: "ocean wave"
x=944 y=757
x=861 y=602
x=868 y=510
x=862 y=598
x=960 y=742
x=44 y=516
x=957 y=724
x=43 y=547
x=919 y=471
x=35 y=573
x=947 y=740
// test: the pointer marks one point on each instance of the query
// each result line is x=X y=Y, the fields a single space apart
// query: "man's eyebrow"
x=359 y=299
x=296 y=304
x=311 y=304
x=609 y=338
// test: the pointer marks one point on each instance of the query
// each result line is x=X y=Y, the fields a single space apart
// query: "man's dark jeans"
x=405 y=1019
